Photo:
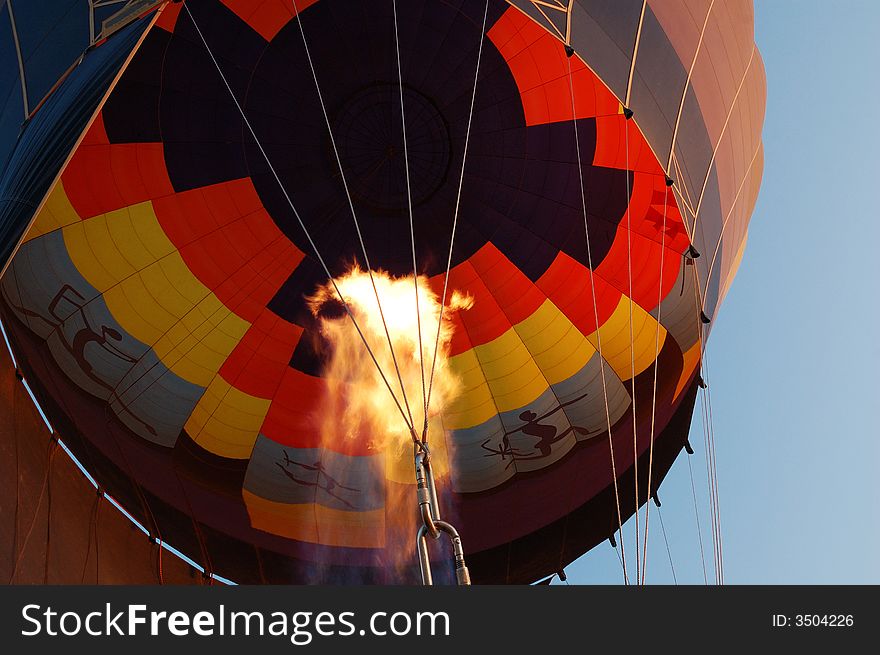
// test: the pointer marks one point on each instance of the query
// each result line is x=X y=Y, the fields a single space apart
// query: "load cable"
x=622 y=555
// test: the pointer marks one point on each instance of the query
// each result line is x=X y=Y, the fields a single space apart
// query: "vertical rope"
x=412 y=233
x=654 y=392
x=631 y=338
x=697 y=516
x=91 y=530
x=467 y=137
x=300 y=221
x=357 y=228
x=666 y=541
x=622 y=554
x=52 y=450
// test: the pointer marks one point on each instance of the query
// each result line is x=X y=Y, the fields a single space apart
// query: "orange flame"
x=360 y=405
x=358 y=409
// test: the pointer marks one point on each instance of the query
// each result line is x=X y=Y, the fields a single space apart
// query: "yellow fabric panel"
x=196 y=346
x=691 y=361
x=56 y=213
x=226 y=421
x=557 y=346
x=111 y=247
x=149 y=289
x=512 y=374
x=317 y=524
x=474 y=403
x=615 y=337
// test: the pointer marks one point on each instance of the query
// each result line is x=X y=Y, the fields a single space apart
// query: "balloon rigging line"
x=708 y=432
x=710 y=485
x=632 y=352
x=27 y=537
x=707 y=400
x=622 y=555
x=721 y=136
x=697 y=516
x=467 y=137
x=410 y=422
x=687 y=84
x=297 y=216
x=666 y=541
x=102 y=494
x=654 y=393
x=412 y=234
x=728 y=217
x=715 y=477
x=704 y=423
x=711 y=435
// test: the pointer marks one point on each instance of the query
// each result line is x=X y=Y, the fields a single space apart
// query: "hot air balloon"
x=280 y=237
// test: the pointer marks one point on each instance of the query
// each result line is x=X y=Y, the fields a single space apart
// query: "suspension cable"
x=632 y=352
x=622 y=555
x=299 y=218
x=711 y=471
x=710 y=484
x=467 y=137
x=666 y=541
x=654 y=393
x=710 y=440
x=412 y=233
x=357 y=227
x=697 y=516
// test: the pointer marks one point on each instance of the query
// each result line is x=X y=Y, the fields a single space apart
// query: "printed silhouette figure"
x=546 y=434
x=330 y=484
x=103 y=336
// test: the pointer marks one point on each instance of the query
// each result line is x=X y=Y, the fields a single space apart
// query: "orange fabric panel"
x=267 y=17
x=102 y=177
x=259 y=361
x=229 y=218
x=538 y=63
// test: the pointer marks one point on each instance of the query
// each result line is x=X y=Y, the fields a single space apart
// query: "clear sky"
x=794 y=355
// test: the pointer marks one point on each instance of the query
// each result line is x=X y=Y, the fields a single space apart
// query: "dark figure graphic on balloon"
x=330 y=484
x=546 y=434
x=103 y=337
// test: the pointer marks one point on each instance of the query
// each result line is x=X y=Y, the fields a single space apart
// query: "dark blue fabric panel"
x=52 y=34
x=11 y=106
x=48 y=138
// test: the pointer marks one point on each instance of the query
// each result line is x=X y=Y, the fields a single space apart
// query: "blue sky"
x=794 y=356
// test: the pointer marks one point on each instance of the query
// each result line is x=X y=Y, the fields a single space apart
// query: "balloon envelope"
x=159 y=299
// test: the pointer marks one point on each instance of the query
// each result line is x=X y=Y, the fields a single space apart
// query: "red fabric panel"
x=267 y=17
x=539 y=65
x=612 y=134
x=168 y=18
x=642 y=250
x=512 y=290
x=230 y=243
x=102 y=177
x=259 y=361
x=569 y=285
x=480 y=324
